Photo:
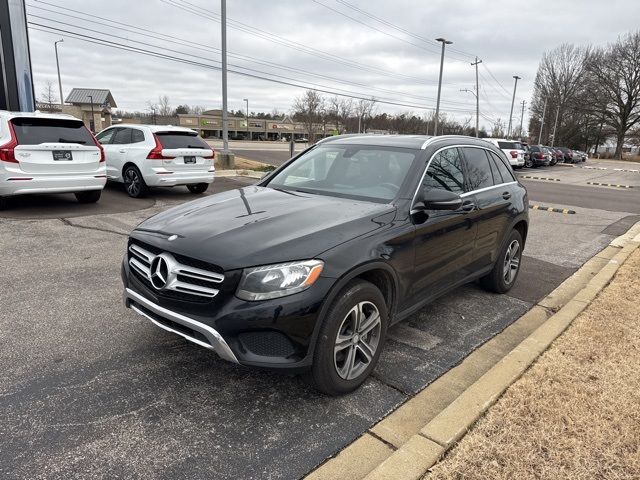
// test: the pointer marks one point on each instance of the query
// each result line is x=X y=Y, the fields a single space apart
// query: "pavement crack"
x=378 y=437
x=384 y=382
x=86 y=227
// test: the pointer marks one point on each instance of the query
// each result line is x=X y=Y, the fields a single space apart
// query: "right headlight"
x=273 y=281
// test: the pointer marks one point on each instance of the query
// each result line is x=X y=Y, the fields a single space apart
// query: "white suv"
x=513 y=150
x=144 y=156
x=49 y=153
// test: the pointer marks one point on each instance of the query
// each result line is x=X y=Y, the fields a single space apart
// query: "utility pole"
x=555 y=126
x=223 y=30
x=55 y=46
x=544 y=111
x=477 y=98
x=247 y=100
x=515 y=86
x=522 y=120
x=444 y=43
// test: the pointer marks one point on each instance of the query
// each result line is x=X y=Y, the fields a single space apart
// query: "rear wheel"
x=507 y=266
x=91 y=196
x=198 y=188
x=528 y=163
x=351 y=339
x=134 y=183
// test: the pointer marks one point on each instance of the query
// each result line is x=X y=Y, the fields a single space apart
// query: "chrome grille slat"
x=141 y=261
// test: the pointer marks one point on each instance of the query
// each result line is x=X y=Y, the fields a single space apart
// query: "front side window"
x=105 y=136
x=353 y=171
x=445 y=172
x=479 y=174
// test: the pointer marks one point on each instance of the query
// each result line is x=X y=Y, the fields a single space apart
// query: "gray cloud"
x=509 y=36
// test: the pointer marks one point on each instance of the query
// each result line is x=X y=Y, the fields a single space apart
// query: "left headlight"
x=273 y=281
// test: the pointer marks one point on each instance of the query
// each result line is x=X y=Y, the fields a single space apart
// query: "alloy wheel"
x=132 y=182
x=357 y=340
x=511 y=262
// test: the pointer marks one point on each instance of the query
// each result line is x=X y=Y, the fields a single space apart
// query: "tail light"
x=98 y=144
x=156 y=152
x=7 y=152
x=514 y=154
x=540 y=156
x=213 y=154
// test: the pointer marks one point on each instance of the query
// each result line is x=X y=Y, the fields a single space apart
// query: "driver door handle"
x=468 y=206
x=506 y=195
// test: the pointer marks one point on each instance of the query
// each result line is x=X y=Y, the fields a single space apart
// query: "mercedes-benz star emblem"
x=159 y=272
x=172 y=238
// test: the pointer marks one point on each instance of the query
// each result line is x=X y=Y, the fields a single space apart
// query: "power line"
x=116 y=45
x=180 y=41
x=496 y=80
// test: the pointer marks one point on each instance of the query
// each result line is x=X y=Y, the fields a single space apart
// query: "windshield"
x=171 y=140
x=362 y=172
x=34 y=131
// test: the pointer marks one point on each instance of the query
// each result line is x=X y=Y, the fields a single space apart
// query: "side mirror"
x=437 y=199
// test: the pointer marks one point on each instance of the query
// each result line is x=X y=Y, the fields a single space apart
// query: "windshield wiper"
x=64 y=140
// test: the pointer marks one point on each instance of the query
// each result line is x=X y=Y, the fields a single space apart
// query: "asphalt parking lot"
x=91 y=390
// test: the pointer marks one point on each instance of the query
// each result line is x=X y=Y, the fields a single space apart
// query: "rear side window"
x=445 y=171
x=122 y=136
x=479 y=174
x=510 y=145
x=34 y=131
x=137 y=136
x=181 y=140
x=505 y=172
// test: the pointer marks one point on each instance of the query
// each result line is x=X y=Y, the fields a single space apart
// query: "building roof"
x=99 y=96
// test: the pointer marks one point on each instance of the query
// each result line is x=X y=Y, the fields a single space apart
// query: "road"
x=92 y=390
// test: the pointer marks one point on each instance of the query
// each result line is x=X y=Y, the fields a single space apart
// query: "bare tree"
x=196 y=109
x=498 y=129
x=616 y=70
x=48 y=96
x=307 y=108
x=153 y=110
x=364 y=109
x=164 y=107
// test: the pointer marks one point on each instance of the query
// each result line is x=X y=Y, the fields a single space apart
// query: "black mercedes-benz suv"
x=306 y=269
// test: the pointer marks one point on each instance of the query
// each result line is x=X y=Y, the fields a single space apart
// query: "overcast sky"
x=396 y=61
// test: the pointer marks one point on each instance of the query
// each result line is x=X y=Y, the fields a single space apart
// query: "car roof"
x=404 y=141
x=7 y=115
x=155 y=128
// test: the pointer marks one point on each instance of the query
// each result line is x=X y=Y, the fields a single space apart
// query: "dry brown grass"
x=575 y=414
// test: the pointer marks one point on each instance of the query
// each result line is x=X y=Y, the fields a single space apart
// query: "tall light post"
x=515 y=86
x=477 y=107
x=92 y=122
x=55 y=46
x=444 y=43
x=223 y=31
x=247 y=102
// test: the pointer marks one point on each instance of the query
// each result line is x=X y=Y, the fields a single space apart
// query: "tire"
x=3 y=203
x=134 y=182
x=198 y=188
x=529 y=163
x=498 y=280
x=92 y=196
x=333 y=372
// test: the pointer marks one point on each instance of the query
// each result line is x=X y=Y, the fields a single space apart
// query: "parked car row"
x=520 y=154
x=56 y=153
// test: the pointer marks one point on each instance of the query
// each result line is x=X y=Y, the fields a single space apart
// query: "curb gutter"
x=410 y=440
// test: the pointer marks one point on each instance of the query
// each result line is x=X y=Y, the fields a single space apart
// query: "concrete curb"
x=540 y=178
x=609 y=185
x=552 y=209
x=240 y=173
x=570 y=165
x=415 y=436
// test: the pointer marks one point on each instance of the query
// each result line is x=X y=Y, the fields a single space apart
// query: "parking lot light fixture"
x=444 y=43
x=55 y=46
x=515 y=86
x=247 y=102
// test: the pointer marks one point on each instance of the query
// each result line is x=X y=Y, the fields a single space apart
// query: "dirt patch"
x=246 y=164
x=575 y=413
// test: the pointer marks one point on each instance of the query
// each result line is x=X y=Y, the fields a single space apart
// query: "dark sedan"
x=306 y=270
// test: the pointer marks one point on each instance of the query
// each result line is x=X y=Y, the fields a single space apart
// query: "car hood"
x=258 y=226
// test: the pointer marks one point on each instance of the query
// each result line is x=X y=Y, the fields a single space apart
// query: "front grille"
x=171 y=276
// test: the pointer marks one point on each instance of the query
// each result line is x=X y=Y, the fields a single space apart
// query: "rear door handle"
x=506 y=195
x=122 y=151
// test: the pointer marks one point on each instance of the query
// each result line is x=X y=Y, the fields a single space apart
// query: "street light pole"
x=555 y=126
x=444 y=43
x=477 y=110
x=223 y=30
x=247 y=101
x=477 y=98
x=522 y=119
x=92 y=123
x=512 y=102
x=55 y=46
x=544 y=111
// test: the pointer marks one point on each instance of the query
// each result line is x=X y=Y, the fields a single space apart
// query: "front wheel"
x=351 y=339
x=198 y=188
x=507 y=266
x=528 y=163
x=91 y=196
